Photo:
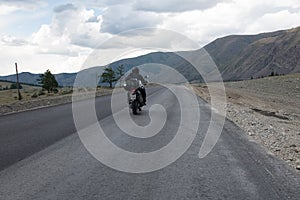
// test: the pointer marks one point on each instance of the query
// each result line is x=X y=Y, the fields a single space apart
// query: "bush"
x=274 y=74
x=55 y=90
x=66 y=92
x=41 y=92
x=14 y=86
x=34 y=95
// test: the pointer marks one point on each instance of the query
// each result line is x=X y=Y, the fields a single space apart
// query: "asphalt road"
x=42 y=157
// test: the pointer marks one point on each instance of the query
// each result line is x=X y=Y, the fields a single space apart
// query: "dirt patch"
x=268 y=110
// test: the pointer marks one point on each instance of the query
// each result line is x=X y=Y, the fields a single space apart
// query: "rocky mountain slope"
x=242 y=57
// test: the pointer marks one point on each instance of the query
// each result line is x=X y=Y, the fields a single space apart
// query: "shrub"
x=65 y=92
x=34 y=95
x=14 y=86
x=41 y=92
x=55 y=90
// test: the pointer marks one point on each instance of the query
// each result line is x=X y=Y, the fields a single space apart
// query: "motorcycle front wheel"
x=134 y=107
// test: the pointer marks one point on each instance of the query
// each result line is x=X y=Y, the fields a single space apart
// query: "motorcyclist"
x=136 y=74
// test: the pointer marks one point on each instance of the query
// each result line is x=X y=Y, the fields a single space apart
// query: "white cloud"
x=64 y=7
x=284 y=20
x=205 y=26
x=13 y=41
x=63 y=44
x=174 y=5
x=6 y=9
x=121 y=18
x=235 y=17
x=104 y=3
x=9 y=6
x=71 y=28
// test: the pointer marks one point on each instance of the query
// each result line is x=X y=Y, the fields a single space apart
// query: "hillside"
x=238 y=57
x=242 y=57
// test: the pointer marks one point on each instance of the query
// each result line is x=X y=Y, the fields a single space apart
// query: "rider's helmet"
x=135 y=70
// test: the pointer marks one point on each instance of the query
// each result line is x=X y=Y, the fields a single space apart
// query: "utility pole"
x=18 y=83
x=97 y=81
x=98 y=76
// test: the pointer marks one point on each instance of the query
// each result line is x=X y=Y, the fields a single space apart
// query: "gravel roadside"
x=268 y=110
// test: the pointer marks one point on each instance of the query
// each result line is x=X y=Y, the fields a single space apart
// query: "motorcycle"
x=135 y=99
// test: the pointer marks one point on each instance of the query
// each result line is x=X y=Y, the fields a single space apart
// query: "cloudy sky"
x=59 y=35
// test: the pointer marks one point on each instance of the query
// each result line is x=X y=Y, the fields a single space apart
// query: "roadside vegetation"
x=9 y=93
x=48 y=92
x=110 y=76
x=48 y=82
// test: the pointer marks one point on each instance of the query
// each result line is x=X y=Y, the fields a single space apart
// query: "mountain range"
x=63 y=79
x=238 y=57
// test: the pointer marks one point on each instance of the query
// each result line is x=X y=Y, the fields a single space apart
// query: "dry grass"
x=28 y=93
x=32 y=98
x=267 y=40
x=10 y=96
x=280 y=93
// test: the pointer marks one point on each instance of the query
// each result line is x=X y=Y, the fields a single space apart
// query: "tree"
x=48 y=81
x=120 y=71
x=15 y=86
x=108 y=76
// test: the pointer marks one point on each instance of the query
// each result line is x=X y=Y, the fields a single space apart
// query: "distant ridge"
x=238 y=57
x=63 y=79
